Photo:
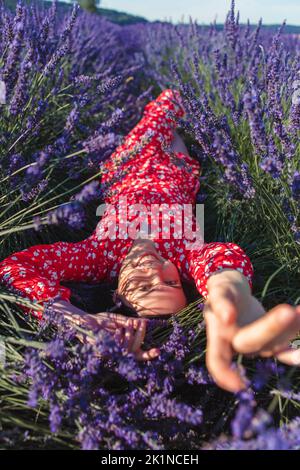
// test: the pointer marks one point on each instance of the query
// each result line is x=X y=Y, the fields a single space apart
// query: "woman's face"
x=150 y=283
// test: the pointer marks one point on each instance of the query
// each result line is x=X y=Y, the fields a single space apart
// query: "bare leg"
x=178 y=145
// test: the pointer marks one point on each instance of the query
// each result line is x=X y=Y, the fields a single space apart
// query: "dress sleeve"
x=36 y=273
x=216 y=257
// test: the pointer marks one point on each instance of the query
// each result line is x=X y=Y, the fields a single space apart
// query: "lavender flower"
x=90 y=192
x=55 y=418
x=71 y=214
x=295 y=186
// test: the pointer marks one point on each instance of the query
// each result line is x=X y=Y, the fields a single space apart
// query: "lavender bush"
x=71 y=86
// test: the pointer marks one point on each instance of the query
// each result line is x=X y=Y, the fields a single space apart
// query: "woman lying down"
x=150 y=269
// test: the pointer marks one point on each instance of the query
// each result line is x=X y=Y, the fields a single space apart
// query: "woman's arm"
x=36 y=273
x=93 y=322
x=76 y=315
x=237 y=323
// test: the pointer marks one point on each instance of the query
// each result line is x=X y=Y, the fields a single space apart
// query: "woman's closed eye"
x=144 y=288
x=148 y=287
x=173 y=283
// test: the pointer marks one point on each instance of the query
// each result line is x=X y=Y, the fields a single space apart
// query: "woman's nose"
x=162 y=271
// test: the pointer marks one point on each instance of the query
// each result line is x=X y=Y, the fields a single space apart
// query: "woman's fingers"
x=119 y=336
x=139 y=336
x=108 y=325
x=147 y=355
x=219 y=357
x=277 y=349
x=134 y=340
x=290 y=357
x=112 y=321
x=114 y=317
x=129 y=333
x=122 y=321
x=129 y=336
x=276 y=327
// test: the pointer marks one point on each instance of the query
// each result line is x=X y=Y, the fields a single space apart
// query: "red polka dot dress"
x=148 y=179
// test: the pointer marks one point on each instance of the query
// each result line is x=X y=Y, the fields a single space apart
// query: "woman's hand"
x=131 y=336
x=86 y=321
x=130 y=332
x=237 y=323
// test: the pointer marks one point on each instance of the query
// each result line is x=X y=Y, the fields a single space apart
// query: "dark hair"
x=95 y=298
